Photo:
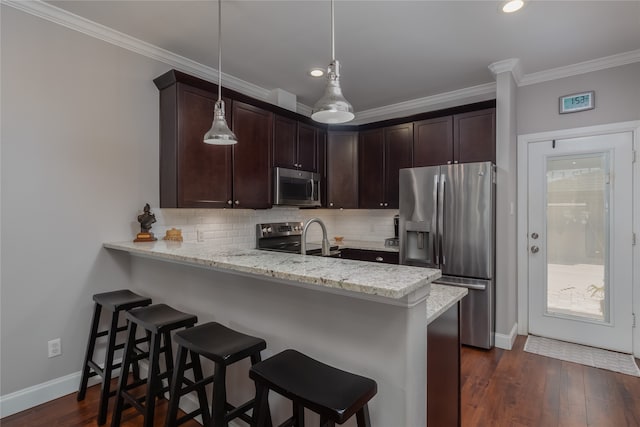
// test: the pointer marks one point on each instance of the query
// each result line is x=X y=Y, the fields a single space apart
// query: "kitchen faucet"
x=325 y=241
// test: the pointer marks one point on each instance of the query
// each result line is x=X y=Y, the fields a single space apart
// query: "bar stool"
x=158 y=321
x=334 y=394
x=115 y=302
x=224 y=347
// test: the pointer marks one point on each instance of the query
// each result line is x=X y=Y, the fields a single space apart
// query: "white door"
x=580 y=240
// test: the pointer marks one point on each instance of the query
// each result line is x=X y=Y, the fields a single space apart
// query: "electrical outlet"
x=55 y=347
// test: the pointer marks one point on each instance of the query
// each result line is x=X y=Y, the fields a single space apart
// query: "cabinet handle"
x=331 y=204
x=455 y=161
x=379 y=258
x=448 y=162
x=300 y=165
x=381 y=204
x=229 y=202
x=386 y=204
x=237 y=202
x=295 y=165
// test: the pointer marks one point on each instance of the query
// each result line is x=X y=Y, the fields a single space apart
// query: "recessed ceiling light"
x=512 y=6
x=316 y=72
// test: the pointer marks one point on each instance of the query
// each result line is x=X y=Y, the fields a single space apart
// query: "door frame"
x=522 y=213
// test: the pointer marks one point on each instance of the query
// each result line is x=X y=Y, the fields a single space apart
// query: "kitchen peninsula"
x=362 y=317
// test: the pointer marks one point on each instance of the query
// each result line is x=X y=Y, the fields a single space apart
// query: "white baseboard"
x=30 y=397
x=38 y=394
x=506 y=341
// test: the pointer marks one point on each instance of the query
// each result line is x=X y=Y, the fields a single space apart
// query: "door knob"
x=535 y=249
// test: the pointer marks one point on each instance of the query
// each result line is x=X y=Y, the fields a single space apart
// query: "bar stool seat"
x=158 y=321
x=224 y=347
x=333 y=393
x=115 y=302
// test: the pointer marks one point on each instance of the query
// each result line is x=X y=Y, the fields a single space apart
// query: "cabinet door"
x=307 y=148
x=433 y=142
x=474 y=136
x=371 y=169
x=284 y=142
x=398 y=143
x=322 y=169
x=252 y=176
x=203 y=170
x=342 y=170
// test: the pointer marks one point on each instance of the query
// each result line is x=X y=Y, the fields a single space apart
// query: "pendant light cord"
x=219 y=50
x=333 y=41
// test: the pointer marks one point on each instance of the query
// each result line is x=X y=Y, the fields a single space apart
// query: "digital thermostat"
x=577 y=102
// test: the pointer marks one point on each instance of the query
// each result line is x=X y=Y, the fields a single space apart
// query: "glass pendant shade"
x=220 y=134
x=333 y=107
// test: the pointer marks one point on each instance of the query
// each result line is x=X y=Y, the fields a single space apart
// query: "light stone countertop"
x=441 y=298
x=385 y=280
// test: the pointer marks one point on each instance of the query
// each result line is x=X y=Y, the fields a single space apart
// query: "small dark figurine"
x=146 y=219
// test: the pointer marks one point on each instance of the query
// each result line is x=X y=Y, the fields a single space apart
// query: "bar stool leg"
x=261 y=410
x=91 y=345
x=202 y=392
x=325 y=422
x=154 y=384
x=168 y=358
x=219 y=395
x=176 y=385
x=362 y=416
x=124 y=374
x=108 y=368
x=298 y=416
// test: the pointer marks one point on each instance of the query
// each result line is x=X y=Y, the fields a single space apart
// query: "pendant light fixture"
x=219 y=134
x=333 y=107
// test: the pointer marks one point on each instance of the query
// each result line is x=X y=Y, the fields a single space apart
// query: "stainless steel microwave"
x=296 y=188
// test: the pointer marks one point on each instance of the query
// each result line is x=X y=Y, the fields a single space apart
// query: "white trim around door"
x=522 y=204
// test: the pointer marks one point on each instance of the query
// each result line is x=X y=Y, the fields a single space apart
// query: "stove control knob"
x=269 y=229
x=266 y=230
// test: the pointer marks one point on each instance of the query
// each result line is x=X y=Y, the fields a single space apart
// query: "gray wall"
x=79 y=159
x=617 y=99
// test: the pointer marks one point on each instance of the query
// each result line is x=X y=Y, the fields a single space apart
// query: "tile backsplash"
x=237 y=227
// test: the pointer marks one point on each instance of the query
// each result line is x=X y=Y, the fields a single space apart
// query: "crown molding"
x=511 y=65
x=481 y=92
x=93 y=29
x=582 y=68
x=478 y=93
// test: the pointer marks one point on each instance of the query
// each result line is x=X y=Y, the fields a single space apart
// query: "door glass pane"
x=577 y=236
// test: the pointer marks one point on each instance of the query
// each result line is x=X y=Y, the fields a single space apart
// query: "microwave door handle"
x=434 y=217
x=441 y=218
x=312 y=188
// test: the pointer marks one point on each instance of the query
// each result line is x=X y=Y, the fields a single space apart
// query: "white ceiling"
x=390 y=51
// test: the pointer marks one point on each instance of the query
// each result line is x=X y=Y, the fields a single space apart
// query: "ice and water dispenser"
x=416 y=250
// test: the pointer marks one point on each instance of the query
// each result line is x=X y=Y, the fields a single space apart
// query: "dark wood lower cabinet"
x=443 y=370
x=370 y=255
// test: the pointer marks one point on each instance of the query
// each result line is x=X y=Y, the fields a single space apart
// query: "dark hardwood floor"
x=515 y=388
x=499 y=388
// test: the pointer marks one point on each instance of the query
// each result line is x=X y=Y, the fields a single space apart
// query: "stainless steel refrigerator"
x=447 y=221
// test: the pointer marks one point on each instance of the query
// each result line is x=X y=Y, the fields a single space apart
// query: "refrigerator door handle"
x=441 y=219
x=434 y=218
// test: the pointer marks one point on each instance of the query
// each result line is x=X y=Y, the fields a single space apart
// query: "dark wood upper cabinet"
x=192 y=174
x=460 y=138
x=307 y=148
x=321 y=139
x=285 y=142
x=252 y=172
x=381 y=155
x=294 y=145
x=371 y=169
x=398 y=145
x=342 y=170
x=474 y=134
x=433 y=142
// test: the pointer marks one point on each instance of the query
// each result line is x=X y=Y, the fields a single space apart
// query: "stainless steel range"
x=285 y=237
